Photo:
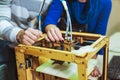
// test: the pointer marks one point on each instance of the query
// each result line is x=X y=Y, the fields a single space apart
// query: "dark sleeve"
x=102 y=21
x=54 y=13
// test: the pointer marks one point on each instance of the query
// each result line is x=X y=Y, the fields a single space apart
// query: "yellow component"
x=28 y=57
x=43 y=60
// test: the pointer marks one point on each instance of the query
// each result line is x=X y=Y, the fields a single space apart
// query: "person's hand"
x=96 y=71
x=30 y=36
x=53 y=33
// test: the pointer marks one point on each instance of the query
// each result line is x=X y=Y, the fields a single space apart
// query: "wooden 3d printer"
x=27 y=57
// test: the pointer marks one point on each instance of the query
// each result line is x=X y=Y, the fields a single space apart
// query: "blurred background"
x=113 y=30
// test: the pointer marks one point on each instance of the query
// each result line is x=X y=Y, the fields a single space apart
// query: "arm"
x=7 y=30
x=54 y=13
x=103 y=18
x=12 y=32
x=51 y=20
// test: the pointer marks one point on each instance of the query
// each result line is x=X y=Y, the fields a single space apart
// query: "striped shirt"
x=19 y=14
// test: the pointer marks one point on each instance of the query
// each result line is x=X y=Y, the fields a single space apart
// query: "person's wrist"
x=48 y=27
x=19 y=36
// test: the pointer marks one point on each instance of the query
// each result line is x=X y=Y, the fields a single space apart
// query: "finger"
x=58 y=33
x=40 y=33
x=98 y=73
x=36 y=32
x=92 y=74
x=54 y=35
x=47 y=38
x=25 y=42
x=95 y=73
x=29 y=40
x=30 y=35
x=50 y=36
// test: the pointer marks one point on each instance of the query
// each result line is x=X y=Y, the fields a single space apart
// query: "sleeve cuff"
x=14 y=34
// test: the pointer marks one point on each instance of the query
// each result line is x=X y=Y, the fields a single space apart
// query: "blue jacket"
x=97 y=24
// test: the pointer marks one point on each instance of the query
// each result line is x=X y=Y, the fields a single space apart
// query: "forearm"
x=54 y=13
x=8 y=31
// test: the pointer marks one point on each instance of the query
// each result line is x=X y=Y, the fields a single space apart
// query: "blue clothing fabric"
x=96 y=17
x=84 y=11
x=97 y=24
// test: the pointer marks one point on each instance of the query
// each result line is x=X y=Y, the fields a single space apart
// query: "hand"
x=53 y=33
x=30 y=36
x=96 y=71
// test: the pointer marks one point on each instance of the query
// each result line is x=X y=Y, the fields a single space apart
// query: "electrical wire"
x=40 y=15
x=69 y=23
x=41 y=7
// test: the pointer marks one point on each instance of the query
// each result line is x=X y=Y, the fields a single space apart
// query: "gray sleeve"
x=8 y=31
x=5 y=8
